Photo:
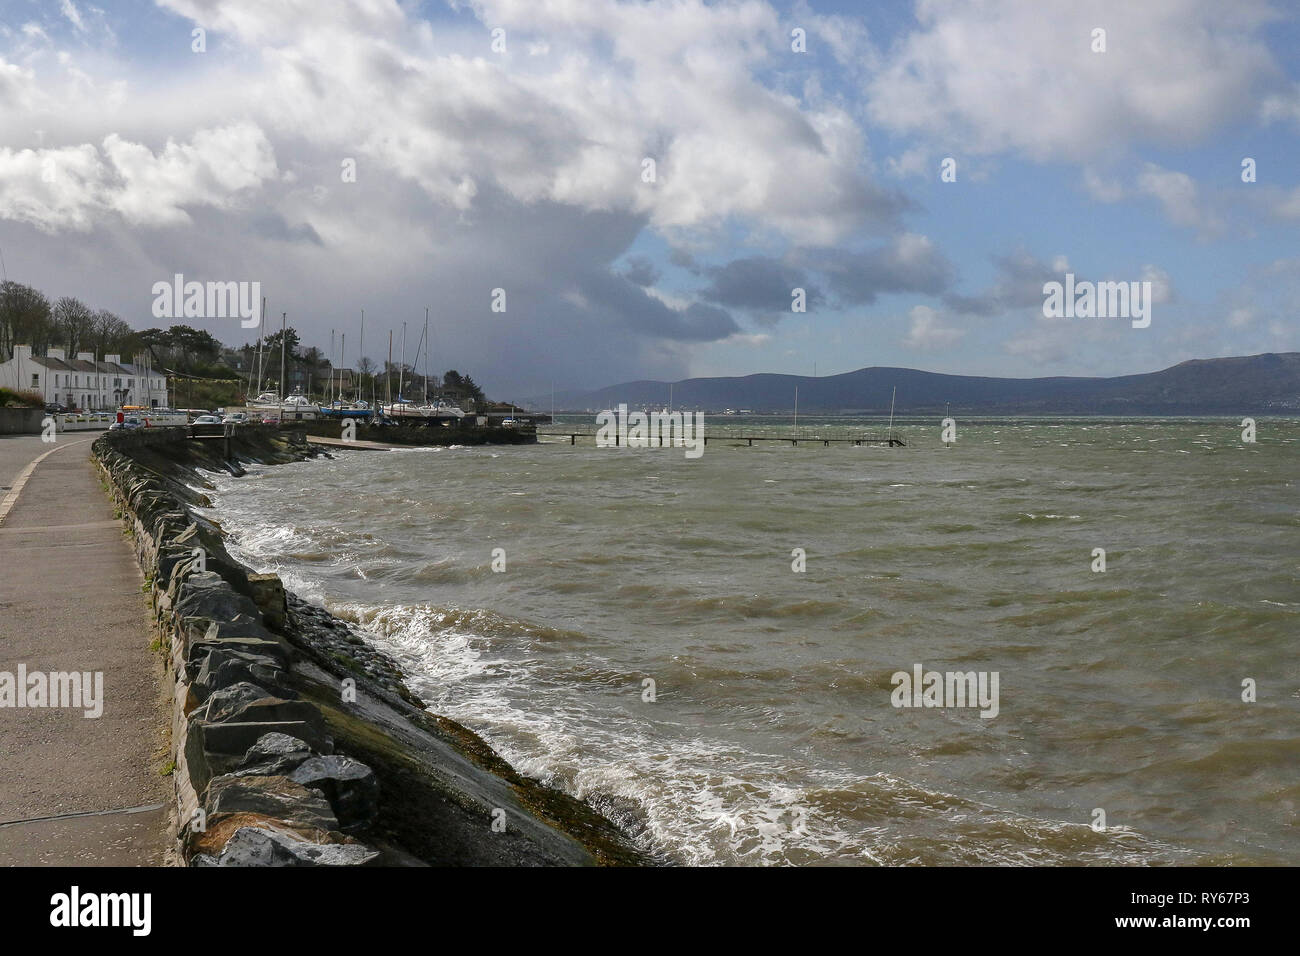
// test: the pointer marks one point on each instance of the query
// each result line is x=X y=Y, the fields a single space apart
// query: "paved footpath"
x=76 y=790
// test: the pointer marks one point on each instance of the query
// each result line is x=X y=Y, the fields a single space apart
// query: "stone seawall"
x=296 y=743
x=21 y=421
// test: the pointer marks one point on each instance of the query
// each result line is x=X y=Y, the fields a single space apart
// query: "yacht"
x=298 y=407
x=265 y=401
x=406 y=410
x=341 y=409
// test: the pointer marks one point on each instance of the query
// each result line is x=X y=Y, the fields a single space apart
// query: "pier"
x=892 y=441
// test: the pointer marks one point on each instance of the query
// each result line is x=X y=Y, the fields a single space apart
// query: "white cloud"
x=1162 y=287
x=1289 y=206
x=69 y=10
x=675 y=83
x=76 y=187
x=1284 y=105
x=928 y=333
x=1007 y=75
x=1101 y=189
x=911 y=162
x=1180 y=198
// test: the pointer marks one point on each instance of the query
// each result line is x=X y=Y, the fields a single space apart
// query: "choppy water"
x=772 y=738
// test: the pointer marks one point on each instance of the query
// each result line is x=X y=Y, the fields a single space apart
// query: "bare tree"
x=110 y=334
x=74 y=321
x=24 y=319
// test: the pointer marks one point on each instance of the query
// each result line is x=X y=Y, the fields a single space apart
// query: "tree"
x=272 y=342
x=180 y=347
x=25 y=319
x=110 y=335
x=454 y=380
x=73 y=320
x=189 y=346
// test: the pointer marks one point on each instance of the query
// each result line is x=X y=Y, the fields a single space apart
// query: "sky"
x=390 y=157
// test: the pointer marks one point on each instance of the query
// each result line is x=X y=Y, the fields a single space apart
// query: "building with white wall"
x=84 y=382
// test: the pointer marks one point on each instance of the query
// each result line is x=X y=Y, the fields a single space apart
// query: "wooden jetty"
x=892 y=441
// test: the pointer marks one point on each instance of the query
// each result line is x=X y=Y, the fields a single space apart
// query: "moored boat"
x=347 y=410
x=298 y=407
x=405 y=410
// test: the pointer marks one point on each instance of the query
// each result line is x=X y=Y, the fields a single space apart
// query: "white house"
x=84 y=382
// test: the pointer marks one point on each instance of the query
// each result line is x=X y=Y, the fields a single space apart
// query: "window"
x=36 y=380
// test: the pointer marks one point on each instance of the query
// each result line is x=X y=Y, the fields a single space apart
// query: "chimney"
x=85 y=356
x=113 y=359
x=22 y=352
x=54 y=353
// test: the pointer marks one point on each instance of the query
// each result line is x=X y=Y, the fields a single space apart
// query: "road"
x=71 y=600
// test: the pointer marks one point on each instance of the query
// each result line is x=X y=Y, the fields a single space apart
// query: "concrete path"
x=16 y=452
x=71 y=600
x=356 y=443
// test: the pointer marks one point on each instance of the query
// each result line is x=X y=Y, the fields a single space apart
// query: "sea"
x=712 y=650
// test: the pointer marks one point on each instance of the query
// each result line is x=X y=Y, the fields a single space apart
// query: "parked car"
x=237 y=418
x=207 y=420
x=55 y=407
x=128 y=421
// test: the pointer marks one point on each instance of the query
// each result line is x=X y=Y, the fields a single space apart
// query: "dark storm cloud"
x=1018 y=285
x=641 y=271
x=907 y=264
x=758 y=284
x=633 y=307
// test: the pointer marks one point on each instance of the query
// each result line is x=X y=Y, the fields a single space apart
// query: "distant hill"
x=1258 y=384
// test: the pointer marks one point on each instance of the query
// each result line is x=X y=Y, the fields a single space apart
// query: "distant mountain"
x=1252 y=384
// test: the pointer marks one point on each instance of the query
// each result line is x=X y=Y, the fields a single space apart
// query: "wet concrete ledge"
x=295 y=742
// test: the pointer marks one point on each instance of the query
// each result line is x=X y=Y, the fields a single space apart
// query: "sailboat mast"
x=426 y=355
x=388 y=372
x=891 y=414
x=401 y=366
x=343 y=358
x=361 y=353
x=261 y=334
x=284 y=346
